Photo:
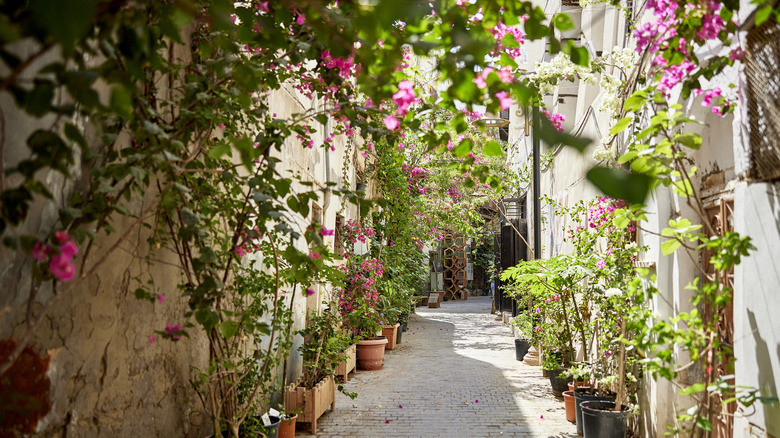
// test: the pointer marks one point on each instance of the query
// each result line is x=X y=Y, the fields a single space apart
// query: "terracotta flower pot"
x=287 y=428
x=370 y=353
x=390 y=332
x=579 y=385
x=568 y=400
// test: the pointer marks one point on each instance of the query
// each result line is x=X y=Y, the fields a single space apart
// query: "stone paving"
x=453 y=375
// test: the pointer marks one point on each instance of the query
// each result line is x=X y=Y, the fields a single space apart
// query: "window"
x=503 y=132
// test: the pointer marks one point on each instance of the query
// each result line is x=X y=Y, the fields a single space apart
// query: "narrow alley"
x=453 y=375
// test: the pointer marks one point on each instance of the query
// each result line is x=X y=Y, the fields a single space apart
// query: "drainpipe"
x=536 y=187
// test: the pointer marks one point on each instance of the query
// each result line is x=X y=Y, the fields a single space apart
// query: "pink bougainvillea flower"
x=315 y=255
x=161 y=298
x=504 y=101
x=173 y=330
x=404 y=97
x=476 y=401
x=601 y=264
x=152 y=339
x=69 y=249
x=309 y=292
x=400 y=407
x=61 y=236
x=541 y=416
x=40 y=251
x=392 y=123
x=62 y=268
x=387 y=421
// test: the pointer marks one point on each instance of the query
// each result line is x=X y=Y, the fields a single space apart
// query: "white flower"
x=613 y=292
x=602 y=153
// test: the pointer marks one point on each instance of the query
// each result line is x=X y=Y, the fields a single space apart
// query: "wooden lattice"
x=762 y=68
x=455 y=266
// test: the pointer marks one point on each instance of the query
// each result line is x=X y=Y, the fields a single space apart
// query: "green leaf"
x=463 y=148
x=562 y=21
x=670 y=246
x=693 y=141
x=763 y=14
x=617 y=183
x=228 y=329
x=493 y=149
x=693 y=389
x=188 y=217
x=64 y=21
x=122 y=102
x=579 y=56
x=621 y=125
x=635 y=102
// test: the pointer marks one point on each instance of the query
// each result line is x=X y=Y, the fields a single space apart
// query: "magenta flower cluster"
x=500 y=31
x=353 y=232
x=60 y=256
x=556 y=119
x=358 y=298
x=600 y=211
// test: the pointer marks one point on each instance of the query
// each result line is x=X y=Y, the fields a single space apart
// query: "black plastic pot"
x=521 y=348
x=558 y=383
x=586 y=394
x=600 y=421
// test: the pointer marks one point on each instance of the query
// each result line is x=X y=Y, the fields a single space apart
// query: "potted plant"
x=523 y=328
x=357 y=304
x=315 y=391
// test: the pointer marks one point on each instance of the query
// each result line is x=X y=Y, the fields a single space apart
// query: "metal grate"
x=762 y=68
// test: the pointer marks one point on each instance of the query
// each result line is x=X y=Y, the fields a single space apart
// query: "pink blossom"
x=69 y=249
x=309 y=292
x=506 y=75
x=315 y=255
x=40 y=251
x=601 y=264
x=327 y=232
x=480 y=78
x=404 y=97
x=61 y=236
x=392 y=123
x=173 y=330
x=504 y=101
x=152 y=339
x=160 y=298
x=62 y=268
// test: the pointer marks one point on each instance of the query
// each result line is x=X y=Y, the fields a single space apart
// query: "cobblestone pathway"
x=453 y=375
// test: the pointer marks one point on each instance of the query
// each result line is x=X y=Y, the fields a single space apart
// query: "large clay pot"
x=370 y=353
x=568 y=400
x=600 y=421
x=558 y=383
x=586 y=394
x=287 y=428
x=390 y=332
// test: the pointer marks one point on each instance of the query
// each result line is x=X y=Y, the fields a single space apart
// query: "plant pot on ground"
x=287 y=427
x=370 y=353
x=311 y=403
x=587 y=394
x=600 y=420
x=521 y=348
x=559 y=383
x=390 y=332
x=347 y=363
x=569 y=400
